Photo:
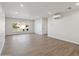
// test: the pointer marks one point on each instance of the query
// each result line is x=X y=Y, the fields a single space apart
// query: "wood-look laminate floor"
x=37 y=45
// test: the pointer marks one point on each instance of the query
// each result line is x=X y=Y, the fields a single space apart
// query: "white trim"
x=64 y=39
x=2 y=46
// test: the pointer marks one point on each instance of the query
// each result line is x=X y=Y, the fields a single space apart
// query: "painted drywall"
x=65 y=28
x=38 y=26
x=9 y=29
x=2 y=28
x=41 y=26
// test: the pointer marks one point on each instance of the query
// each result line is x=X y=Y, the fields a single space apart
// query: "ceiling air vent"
x=57 y=16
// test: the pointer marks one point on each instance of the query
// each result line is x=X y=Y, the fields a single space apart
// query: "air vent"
x=57 y=16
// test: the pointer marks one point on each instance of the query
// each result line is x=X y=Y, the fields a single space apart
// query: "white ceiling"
x=31 y=10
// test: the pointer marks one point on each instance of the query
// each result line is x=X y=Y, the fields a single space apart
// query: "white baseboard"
x=64 y=39
x=17 y=34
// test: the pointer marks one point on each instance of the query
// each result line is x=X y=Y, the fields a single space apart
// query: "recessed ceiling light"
x=77 y=4
x=21 y=5
x=16 y=12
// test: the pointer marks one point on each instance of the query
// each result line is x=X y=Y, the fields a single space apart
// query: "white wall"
x=9 y=30
x=41 y=26
x=38 y=26
x=66 y=28
x=2 y=28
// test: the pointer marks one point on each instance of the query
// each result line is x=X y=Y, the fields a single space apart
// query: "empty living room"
x=39 y=28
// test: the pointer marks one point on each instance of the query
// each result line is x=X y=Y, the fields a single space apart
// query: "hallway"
x=37 y=45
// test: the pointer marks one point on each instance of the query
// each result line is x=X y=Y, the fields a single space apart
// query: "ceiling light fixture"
x=77 y=4
x=21 y=5
x=16 y=12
